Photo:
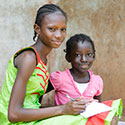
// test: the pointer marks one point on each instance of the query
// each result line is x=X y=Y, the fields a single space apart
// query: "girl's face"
x=82 y=56
x=53 y=30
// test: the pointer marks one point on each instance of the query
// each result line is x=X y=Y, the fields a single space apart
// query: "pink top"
x=63 y=84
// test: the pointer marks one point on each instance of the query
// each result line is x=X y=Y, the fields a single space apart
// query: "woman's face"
x=53 y=30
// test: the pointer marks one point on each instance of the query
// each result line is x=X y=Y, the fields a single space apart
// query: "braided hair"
x=46 y=10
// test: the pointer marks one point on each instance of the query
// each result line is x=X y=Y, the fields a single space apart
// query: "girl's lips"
x=84 y=66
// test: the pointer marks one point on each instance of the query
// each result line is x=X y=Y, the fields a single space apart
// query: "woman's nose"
x=58 y=34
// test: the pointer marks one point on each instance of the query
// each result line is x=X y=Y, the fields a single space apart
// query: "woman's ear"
x=67 y=57
x=37 y=29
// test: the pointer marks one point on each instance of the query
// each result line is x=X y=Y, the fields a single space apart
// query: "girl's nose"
x=84 y=58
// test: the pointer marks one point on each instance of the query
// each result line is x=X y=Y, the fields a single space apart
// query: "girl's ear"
x=67 y=57
x=94 y=57
x=37 y=29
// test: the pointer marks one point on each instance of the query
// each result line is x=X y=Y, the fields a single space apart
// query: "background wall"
x=102 y=20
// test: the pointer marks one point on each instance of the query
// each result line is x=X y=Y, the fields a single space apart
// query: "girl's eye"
x=90 y=54
x=77 y=55
x=52 y=29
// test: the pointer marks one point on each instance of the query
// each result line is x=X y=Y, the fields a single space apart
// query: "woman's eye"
x=64 y=29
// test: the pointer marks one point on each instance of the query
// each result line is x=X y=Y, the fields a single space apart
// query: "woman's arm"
x=26 y=63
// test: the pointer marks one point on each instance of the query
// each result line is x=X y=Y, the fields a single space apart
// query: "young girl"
x=79 y=81
x=27 y=76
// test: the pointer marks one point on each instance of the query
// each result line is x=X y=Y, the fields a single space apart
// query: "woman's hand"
x=75 y=106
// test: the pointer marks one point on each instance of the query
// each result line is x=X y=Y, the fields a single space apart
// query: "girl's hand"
x=95 y=100
x=76 y=106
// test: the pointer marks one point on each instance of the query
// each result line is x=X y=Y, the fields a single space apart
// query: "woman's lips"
x=57 y=42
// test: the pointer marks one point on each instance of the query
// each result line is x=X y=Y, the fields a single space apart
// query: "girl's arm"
x=26 y=63
x=48 y=97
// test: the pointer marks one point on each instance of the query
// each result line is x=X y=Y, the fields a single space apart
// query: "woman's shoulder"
x=27 y=53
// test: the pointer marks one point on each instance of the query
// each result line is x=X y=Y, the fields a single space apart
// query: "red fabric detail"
x=43 y=87
x=41 y=70
x=44 y=82
x=42 y=63
x=38 y=58
x=47 y=76
x=99 y=118
x=43 y=77
x=35 y=93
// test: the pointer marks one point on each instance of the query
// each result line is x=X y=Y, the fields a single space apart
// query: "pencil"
x=69 y=97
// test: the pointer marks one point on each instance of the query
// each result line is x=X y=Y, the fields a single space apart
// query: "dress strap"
x=28 y=48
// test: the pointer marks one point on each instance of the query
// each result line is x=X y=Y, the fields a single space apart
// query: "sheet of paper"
x=95 y=108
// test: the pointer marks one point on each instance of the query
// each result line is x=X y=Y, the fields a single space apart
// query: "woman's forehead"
x=54 y=18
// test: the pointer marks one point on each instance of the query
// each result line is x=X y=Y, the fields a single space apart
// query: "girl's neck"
x=80 y=77
x=42 y=50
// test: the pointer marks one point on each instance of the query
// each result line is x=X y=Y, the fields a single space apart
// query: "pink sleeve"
x=55 y=79
x=100 y=86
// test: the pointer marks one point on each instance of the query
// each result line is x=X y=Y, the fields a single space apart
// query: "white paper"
x=95 y=108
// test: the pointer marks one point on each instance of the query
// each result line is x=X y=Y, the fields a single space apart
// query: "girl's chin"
x=84 y=70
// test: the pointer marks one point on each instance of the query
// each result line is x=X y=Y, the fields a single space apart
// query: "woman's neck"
x=42 y=50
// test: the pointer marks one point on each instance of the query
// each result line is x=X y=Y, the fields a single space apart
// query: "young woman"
x=27 y=77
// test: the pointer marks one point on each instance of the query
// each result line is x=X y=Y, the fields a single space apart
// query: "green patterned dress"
x=36 y=86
